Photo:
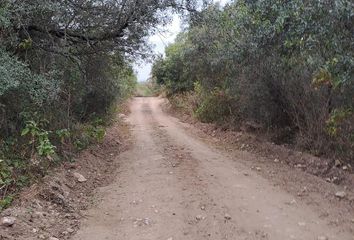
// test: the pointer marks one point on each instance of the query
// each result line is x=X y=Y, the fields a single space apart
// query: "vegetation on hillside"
x=63 y=67
x=284 y=65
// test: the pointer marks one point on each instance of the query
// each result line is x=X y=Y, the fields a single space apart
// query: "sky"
x=160 y=41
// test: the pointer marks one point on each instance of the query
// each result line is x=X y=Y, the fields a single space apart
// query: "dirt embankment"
x=52 y=209
x=330 y=170
x=311 y=179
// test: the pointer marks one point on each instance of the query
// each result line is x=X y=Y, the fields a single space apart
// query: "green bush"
x=67 y=72
x=213 y=106
x=279 y=64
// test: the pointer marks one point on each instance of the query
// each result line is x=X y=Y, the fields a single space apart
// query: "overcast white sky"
x=160 y=42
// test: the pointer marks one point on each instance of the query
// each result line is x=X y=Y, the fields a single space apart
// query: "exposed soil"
x=180 y=182
x=331 y=170
x=270 y=154
x=53 y=207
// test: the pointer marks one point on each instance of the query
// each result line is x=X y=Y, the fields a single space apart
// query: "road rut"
x=172 y=185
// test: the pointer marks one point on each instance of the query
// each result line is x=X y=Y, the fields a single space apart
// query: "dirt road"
x=172 y=185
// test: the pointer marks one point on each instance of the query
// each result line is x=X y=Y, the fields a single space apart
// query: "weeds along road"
x=172 y=185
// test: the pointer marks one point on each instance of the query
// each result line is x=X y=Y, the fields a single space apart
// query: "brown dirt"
x=270 y=153
x=185 y=181
x=53 y=207
x=179 y=183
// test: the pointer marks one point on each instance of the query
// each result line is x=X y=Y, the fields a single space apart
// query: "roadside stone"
x=341 y=194
x=276 y=160
x=79 y=177
x=7 y=221
x=147 y=221
x=337 y=163
x=141 y=222
x=70 y=230
x=53 y=238
x=70 y=216
x=227 y=216
x=199 y=217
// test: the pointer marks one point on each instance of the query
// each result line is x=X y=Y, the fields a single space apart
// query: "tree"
x=284 y=65
x=64 y=64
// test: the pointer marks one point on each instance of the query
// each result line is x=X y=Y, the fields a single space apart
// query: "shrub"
x=214 y=106
x=280 y=64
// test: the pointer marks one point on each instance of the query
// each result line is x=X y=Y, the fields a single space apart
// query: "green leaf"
x=25 y=131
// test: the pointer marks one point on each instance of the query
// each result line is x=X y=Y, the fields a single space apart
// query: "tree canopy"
x=281 y=64
x=64 y=65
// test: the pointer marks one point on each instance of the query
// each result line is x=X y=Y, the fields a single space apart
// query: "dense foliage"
x=285 y=65
x=63 y=66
